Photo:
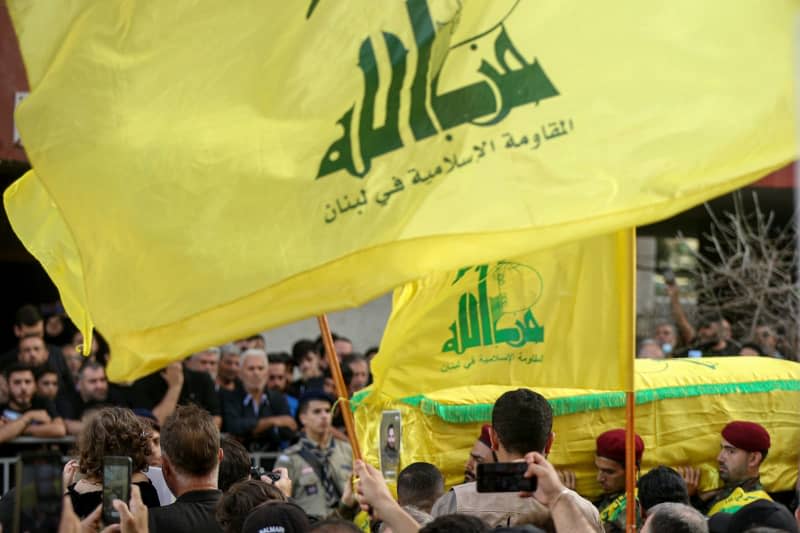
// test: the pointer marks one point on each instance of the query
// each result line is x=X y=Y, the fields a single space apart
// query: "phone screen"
x=116 y=485
x=39 y=492
x=504 y=477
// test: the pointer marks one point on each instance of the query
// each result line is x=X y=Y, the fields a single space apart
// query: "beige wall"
x=363 y=325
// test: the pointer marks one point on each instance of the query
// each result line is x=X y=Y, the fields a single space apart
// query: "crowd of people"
x=712 y=336
x=198 y=480
x=190 y=430
x=47 y=387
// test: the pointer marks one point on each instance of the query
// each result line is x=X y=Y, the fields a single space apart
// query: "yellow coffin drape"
x=556 y=318
x=202 y=171
x=682 y=405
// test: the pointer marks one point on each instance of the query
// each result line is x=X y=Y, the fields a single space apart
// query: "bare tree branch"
x=747 y=273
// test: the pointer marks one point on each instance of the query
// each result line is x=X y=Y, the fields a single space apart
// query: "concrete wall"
x=363 y=325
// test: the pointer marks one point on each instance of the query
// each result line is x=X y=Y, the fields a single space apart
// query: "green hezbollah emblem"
x=497 y=315
x=490 y=100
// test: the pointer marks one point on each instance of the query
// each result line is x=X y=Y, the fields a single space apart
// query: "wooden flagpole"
x=341 y=388
x=630 y=394
x=630 y=463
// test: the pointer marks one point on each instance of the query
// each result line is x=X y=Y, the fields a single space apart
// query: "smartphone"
x=37 y=504
x=257 y=471
x=116 y=485
x=504 y=477
x=669 y=276
x=274 y=476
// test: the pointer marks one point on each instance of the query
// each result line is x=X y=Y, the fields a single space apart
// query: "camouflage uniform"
x=308 y=490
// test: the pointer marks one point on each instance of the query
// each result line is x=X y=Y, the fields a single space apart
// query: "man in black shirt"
x=29 y=324
x=92 y=394
x=190 y=453
x=228 y=369
x=257 y=416
x=205 y=361
x=162 y=391
x=39 y=415
x=46 y=382
x=35 y=354
x=307 y=361
x=711 y=338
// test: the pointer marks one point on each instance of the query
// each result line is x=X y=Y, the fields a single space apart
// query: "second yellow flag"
x=555 y=318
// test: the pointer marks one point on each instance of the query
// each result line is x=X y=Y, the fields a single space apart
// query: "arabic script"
x=482 y=103
x=454 y=365
x=449 y=163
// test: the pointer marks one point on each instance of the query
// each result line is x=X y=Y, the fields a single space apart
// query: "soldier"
x=610 y=463
x=481 y=453
x=743 y=448
x=319 y=465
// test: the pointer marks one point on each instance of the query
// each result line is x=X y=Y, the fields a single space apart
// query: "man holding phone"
x=522 y=422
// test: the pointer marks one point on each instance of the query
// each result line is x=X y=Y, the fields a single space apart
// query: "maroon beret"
x=484 y=438
x=747 y=436
x=611 y=445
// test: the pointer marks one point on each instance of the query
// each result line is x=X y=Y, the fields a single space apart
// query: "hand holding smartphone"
x=116 y=485
x=504 y=477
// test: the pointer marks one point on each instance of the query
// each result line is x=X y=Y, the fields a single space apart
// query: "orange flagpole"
x=630 y=463
x=341 y=388
x=630 y=395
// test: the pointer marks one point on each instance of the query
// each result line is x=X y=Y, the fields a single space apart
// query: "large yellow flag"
x=554 y=318
x=203 y=170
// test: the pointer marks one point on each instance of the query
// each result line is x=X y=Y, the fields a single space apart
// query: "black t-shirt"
x=198 y=388
x=731 y=347
x=299 y=387
x=86 y=502
x=10 y=448
x=55 y=359
x=192 y=512
x=66 y=386
x=75 y=408
x=120 y=395
x=36 y=403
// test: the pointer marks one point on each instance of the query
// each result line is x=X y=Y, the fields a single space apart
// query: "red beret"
x=611 y=445
x=484 y=438
x=747 y=436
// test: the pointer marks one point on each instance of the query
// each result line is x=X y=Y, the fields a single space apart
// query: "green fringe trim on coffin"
x=479 y=413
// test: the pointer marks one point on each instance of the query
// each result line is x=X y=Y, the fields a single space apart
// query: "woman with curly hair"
x=109 y=431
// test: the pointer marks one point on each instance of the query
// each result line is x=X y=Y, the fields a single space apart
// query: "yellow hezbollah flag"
x=203 y=170
x=673 y=417
x=556 y=318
